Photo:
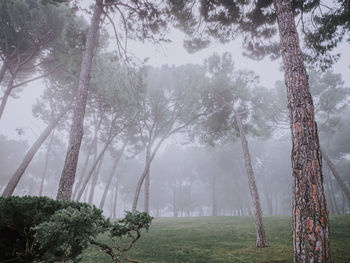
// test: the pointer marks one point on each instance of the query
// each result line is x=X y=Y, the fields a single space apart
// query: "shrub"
x=39 y=228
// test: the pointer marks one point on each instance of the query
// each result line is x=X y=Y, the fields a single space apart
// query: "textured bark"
x=261 y=240
x=76 y=132
x=336 y=175
x=29 y=156
x=110 y=177
x=94 y=181
x=146 y=188
x=310 y=214
x=46 y=164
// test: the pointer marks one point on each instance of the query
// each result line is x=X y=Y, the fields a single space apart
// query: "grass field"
x=223 y=239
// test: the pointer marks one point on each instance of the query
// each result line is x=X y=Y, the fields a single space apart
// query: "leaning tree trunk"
x=46 y=164
x=115 y=199
x=7 y=94
x=310 y=214
x=146 y=188
x=3 y=71
x=94 y=181
x=10 y=188
x=110 y=177
x=261 y=240
x=92 y=169
x=336 y=175
x=76 y=132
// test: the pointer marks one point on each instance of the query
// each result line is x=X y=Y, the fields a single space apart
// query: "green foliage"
x=222 y=239
x=130 y=223
x=39 y=228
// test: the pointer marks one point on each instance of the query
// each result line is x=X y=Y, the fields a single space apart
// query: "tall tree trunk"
x=174 y=200
x=94 y=181
x=76 y=132
x=92 y=169
x=146 y=188
x=115 y=199
x=336 y=175
x=261 y=240
x=110 y=177
x=310 y=214
x=85 y=165
x=29 y=156
x=214 y=209
x=7 y=94
x=334 y=200
x=3 y=71
x=46 y=163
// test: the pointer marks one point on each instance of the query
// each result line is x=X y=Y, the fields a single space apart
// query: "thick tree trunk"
x=28 y=157
x=46 y=163
x=92 y=169
x=94 y=181
x=261 y=240
x=111 y=175
x=310 y=214
x=336 y=175
x=146 y=188
x=76 y=132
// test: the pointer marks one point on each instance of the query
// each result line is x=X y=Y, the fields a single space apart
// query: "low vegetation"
x=223 y=239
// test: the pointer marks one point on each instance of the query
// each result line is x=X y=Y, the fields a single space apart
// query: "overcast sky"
x=18 y=112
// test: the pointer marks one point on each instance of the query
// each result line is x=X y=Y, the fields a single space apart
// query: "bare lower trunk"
x=27 y=159
x=46 y=164
x=94 y=181
x=310 y=214
x=110 y=177
x=6 y=95
x=92 y=169
x=3 y=71
x=139 y=185
x=214 y=210
x=115 y=200
x=261 y=240
x=76 y=132
x=146 y=188
x=336 y=175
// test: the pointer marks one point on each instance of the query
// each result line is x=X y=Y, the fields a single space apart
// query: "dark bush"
x=39 y=228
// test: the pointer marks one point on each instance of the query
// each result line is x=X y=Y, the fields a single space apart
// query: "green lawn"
x=223 y=239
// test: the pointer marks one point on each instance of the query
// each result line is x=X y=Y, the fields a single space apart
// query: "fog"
x=161 y=108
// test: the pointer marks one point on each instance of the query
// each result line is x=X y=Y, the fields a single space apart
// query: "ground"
x=223 y=239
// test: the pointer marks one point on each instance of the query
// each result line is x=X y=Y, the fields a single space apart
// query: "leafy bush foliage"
x=42 y=229
x=39 y=228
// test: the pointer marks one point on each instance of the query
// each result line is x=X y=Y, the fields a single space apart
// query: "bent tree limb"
x=77 y=130
x=336 y=175
x=10 y=188
x=261 y=240
x=311 y=241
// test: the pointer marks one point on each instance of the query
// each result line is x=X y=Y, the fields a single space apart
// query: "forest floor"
x=223 y=239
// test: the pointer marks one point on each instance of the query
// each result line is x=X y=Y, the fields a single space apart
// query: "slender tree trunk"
x=28 y=157
x=146 y=188
x=3 y=71
x=336 y=175
x=92 y=169
x=6 y=95
x=115 y=199
x=76 y=133
x=46 y=163
x=111 y=175
x=94 y=181
x=85 y=165
x=332 y=193
x=214 y=209
x=310 y=214
x=174 y=200
x=261 y=240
